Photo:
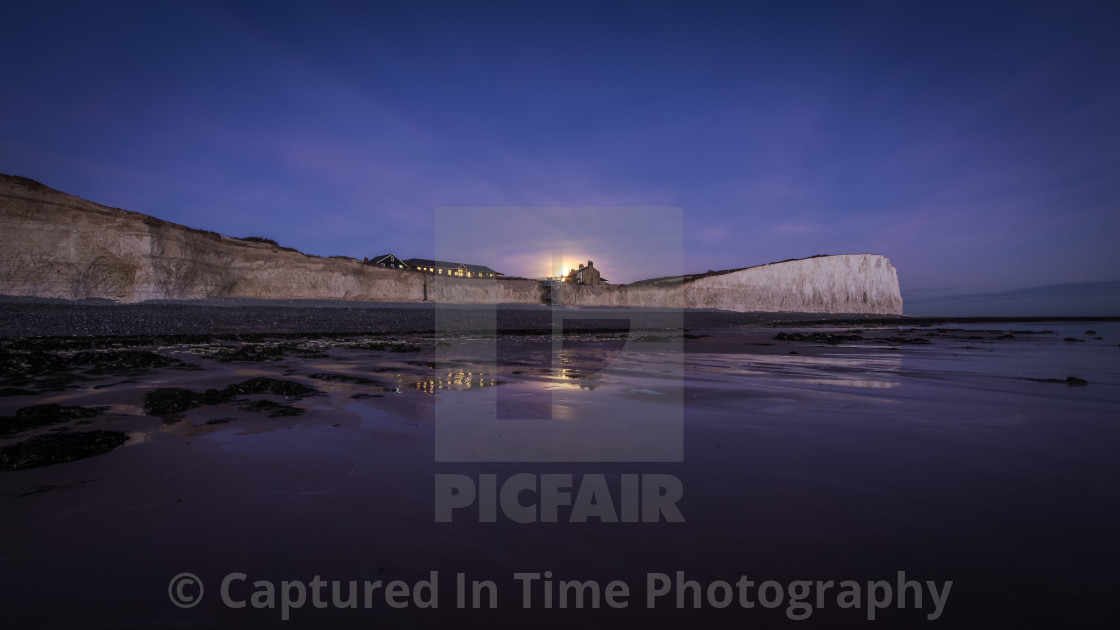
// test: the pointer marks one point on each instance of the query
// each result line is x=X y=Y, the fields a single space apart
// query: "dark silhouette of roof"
x=382 y=258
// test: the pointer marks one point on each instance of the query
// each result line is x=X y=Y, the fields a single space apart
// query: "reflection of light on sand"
x=606 y=424
x=573 y=379
x=564 y=412
x=849 y=382
x=454 y=380
x=126 y=410
x=138 y=437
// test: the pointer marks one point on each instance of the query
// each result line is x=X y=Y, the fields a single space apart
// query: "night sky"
x=975 y=144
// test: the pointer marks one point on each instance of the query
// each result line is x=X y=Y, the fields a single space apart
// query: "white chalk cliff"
x=56 y=245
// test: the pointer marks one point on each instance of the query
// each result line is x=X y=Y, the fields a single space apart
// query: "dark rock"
x=388 y=346
x=30 y=364
x=916 y=341
x=44 y=416
x=346 y=378
x=1072 y=339
x=170 y=400
x=251 y=353
x=1072 y=381
x=265 y=385
x=818 y=337
x=166 y=400
x=125 y=362
x=1090 y=332
x=213 y=397
x=55 y=448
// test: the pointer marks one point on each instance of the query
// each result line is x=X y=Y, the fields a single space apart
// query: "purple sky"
x=977 y=145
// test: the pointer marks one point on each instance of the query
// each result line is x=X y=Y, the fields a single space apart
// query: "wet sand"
x=950 y=452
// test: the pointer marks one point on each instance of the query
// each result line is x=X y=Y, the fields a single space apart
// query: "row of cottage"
x=441 y=267
x=584 y=275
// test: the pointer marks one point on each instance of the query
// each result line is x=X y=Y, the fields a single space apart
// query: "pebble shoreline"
x=43 y=317
x=51 y=318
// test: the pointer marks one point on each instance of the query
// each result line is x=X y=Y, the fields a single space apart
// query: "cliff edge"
x=59 y=246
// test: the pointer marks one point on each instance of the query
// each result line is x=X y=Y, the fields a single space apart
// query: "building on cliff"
x=387 y=260
x=444 y=268
x=588 y=275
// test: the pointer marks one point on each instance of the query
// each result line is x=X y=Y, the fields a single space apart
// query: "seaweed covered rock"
x=55 y=448
x=125 y=362
x=265 y=385
x=251 y=353
x=817 y=337
x=171 y=400
x=167 y=400
x=43 y=416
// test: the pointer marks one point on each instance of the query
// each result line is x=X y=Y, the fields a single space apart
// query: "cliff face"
x=57 y=245
x=854 y=283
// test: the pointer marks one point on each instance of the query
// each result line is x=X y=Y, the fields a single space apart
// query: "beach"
x=275 y=443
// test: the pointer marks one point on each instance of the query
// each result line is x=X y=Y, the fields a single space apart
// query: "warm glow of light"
x=569 y=263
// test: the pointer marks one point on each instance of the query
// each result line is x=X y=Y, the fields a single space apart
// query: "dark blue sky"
x=977 y=145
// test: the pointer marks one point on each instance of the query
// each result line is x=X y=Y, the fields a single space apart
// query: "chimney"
x=581 y=265
x=590 y=264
